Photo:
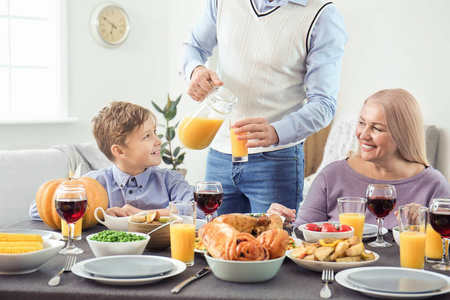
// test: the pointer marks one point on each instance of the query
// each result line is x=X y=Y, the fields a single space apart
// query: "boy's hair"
x=116 y=122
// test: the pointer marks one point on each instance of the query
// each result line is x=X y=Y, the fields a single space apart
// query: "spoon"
x=159 y=227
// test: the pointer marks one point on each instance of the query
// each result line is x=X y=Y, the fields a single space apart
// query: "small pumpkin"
x=45 y=201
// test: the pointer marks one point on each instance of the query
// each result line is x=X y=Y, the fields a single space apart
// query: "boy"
x=126 y=134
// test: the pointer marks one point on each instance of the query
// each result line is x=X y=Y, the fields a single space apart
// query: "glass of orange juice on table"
x=76 y=232
x=352 y=213
x=182 y=230
x=413 y=226
x=239 y=150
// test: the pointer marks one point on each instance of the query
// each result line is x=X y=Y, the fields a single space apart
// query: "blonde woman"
x=391 y=150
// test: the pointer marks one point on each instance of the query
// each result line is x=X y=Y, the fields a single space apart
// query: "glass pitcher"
x=199 y=127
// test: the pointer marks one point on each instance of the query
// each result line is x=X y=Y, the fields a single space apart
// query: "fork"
x=70 y=261
x=327 y=276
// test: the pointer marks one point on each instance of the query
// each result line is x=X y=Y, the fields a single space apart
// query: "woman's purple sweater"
x=338 y=179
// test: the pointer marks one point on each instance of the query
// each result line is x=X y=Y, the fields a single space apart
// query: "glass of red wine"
x=381 y=199
x=440 y=221
x=71 y=204
x=209 y=196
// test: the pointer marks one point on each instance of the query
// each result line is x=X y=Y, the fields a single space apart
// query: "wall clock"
x=110 y=25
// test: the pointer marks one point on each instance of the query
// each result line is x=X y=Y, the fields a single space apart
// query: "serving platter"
x=178 y=267
x=319 y=266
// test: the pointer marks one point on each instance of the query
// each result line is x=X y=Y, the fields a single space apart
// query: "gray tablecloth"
x=291 y=282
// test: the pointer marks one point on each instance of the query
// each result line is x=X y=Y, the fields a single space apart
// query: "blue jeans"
x=266 y=178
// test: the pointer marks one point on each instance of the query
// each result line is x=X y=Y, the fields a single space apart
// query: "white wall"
x=402 y=43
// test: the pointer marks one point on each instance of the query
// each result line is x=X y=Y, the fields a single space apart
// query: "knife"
x=199 y=274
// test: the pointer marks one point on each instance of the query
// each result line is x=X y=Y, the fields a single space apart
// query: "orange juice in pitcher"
x=198 y=132
x=199 y=127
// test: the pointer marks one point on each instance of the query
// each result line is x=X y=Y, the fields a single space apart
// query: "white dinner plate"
x=128 y=266
x=342 y=279
x=398 y=280
x=318 y=266
x=178 y=267
x=370 y=231
x=45 y=234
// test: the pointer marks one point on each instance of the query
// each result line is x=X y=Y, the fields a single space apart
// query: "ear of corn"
x=20 y=237
x=20 y=247
x=20 y=243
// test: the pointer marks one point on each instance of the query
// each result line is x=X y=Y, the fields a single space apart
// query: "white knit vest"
x=262 y=60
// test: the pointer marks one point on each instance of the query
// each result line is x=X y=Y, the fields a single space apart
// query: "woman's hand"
x=278 y=209
x=202 y=81
x=257 y=129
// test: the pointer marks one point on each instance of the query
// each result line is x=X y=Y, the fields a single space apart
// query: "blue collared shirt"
x=152 y=189
x=322 y=80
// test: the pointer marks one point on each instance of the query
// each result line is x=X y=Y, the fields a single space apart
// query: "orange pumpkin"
x=45 y=201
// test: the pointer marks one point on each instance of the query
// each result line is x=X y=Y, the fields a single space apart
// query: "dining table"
x=291 y=282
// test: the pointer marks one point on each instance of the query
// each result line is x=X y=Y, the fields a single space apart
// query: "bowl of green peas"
x=112 y=242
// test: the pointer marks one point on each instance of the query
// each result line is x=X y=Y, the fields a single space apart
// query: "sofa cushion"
x=22 y=172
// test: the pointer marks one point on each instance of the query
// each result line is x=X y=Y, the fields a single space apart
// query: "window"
x=33 y=61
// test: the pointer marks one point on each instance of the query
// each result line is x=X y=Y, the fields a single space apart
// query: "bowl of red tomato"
x=313 y=232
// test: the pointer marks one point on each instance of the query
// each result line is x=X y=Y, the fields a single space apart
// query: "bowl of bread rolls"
x=144 y=223
x=243 y=248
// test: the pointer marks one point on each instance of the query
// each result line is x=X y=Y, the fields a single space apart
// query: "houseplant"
x=169 y=155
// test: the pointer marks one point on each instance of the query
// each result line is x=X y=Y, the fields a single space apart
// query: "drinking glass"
x=182 y=230
x=413 y=224
x=209 y=196
x=440 y=221
x=352 y=213
x=239 y=150
x=381 y=199
x=71 y=204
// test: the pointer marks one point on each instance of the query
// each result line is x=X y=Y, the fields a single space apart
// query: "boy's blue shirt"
x=152 y=189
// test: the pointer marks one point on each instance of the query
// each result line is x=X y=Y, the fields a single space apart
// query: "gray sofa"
x=22 y=172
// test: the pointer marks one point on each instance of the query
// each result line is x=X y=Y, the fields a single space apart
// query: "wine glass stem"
x=70 y=231
x=445 y=256
x=380 y=228
x=209 y=217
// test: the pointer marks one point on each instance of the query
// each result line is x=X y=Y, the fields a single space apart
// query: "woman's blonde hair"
x=404 y=123
x=116 y=122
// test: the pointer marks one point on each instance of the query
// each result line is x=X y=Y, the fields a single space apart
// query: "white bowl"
x=244 y=271
x=23 y=263
x=315 y=236
x=396 y=234
x=118 y=248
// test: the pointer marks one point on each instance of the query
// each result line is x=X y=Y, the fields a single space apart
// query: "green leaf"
x=171 y=114
x=157 y=107
x=178 y=100
x=167 y=160
x=177 y=150
x=161 y=136
x=170 y=134
x=164 y=145
x=165 y=152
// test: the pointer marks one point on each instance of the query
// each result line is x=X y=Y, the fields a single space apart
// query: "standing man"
x=282 y=59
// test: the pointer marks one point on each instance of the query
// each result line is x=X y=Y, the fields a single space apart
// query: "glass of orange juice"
x=182 y=230
x=239 y=150
x=76 y=231
x=352 y=213
x=413 y=226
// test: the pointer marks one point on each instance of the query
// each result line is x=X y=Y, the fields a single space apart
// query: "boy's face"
x=141 y=150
